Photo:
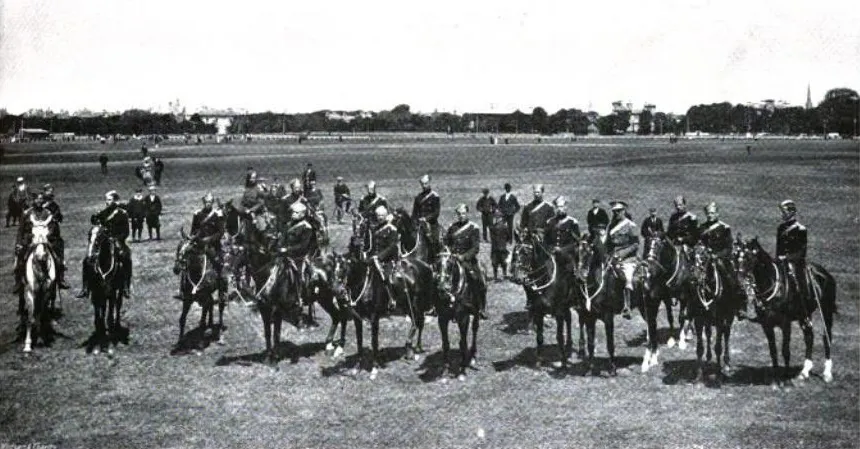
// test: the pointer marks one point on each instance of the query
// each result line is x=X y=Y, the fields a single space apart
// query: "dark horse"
x=550 y=290
x=40 y=287
x=458 y=302
x=601 y=293
x=197 y=283
x=714 y=305
x=105 y=276
x=668 y=275
x=777 y=303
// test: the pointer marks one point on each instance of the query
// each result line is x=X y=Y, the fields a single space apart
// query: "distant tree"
x=539 y=120
x=839 y=111
x=645 y=121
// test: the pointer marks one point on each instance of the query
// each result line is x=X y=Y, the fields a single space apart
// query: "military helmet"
x=208 y=198
x=425 y=179
x=371 y=184
x=618 y=205
x=295 y=183
x=112 y=195
x=788 y=206
x=560 y=201
x=680 y=200
x=461 y=208
x=711 y=208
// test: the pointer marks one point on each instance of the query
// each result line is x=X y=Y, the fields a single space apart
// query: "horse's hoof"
x=828 y=378
x=682 y=344
x=110 y=351
x=774 y=386
x=338 y=351
x=671 y=342
x=353 y=372
x=557 y=365
x=28 y=350
x=473 y=363
x=97 y=351
x=461 y=377
x=373 y=373
x=221 y=341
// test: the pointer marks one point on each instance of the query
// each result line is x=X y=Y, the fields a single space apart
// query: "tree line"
x=838 y=112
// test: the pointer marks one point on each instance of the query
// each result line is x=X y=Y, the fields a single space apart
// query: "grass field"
x=145 y=397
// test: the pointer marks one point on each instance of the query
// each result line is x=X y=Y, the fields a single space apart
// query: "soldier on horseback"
x=791 y=251
x=297 y=244
x=683 y=226
x=38 y=213
x=464 y=241
x=342 y=199
x=426 y=207
x=207 y=228
x=385 y=246
x=296 y=195
x=622 y=245
x=368 y=205
x=562 y=235
x=115 y=221
x=716 y=236
x=535 y=216
x=59 y=244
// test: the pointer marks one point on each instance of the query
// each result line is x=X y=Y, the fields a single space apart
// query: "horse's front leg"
x=670 y=317
x=609 y=328
x=444 y=320
x=581 y=350
x=277 y=321
x=776 y=380
x=183 y=316
x=359 y=344
x=473 y=353
x=374 y=343
x=463 y=325
x=786 y=350
x=28 y=310
x=559 y=339
x=699 y=324
x=537 y=318
x=221 y=304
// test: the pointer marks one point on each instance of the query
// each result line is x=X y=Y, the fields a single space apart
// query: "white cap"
x=425 y=179
x=560 y=201
x=381 y=210
x=298 y=206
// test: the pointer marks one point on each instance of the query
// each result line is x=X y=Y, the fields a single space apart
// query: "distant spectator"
x=103 y=161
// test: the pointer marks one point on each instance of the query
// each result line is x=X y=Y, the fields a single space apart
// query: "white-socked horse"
x=40 y=274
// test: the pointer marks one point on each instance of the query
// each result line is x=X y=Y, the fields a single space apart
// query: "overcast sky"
x=495 y=55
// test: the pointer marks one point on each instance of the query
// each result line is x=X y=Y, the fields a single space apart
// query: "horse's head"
x=655 y=247
x=448 y=272
x=522 y=262
x=702 y=258
x=96 y=239
x=40 y=232
x=184 y=250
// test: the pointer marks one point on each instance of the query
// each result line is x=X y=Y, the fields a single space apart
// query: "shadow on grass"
x=516 y=323
x=684 y=372
x=195 y=339
x=121 y=336
x=552 y=355
x=342 y=368
x=432 y=366
x=286 y=350
x=663 y=335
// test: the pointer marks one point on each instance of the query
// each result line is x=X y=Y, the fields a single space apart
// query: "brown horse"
x=778 y=303
x=458 y=301
x=198 y=281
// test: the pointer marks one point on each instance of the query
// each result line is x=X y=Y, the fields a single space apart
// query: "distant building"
x=33 y=134
x=808 y=98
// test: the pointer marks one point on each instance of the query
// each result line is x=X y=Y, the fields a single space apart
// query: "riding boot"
x=85 y=291
x=626 y=311
x=19 y=285
x=61 y=278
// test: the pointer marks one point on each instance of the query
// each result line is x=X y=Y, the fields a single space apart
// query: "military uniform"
x=115 y=221
x=298 y=242
x=622 y=244
x=509 y=205
x=535 y=217
x=308 y=176
x=464 y=240
x=683 y=228
x=369 y=203
x=486 y=205
x=314 y=198
x=427 y=205
x=152 y=204
x=791 y=246
x=342 y=200
x=207 y=226
x=562 y=232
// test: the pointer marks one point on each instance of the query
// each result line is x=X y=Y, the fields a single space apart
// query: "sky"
x=463 y=56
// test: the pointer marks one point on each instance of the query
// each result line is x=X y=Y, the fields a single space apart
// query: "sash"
x=714 y=226
x=468 y=225
x=428 y=196
x=387 y=225
x=620 y=225
x=302 y=223
x=536 y=208
x=793 y=226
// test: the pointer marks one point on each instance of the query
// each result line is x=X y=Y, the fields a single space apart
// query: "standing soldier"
x=308 y=176
x=38 y=213
x=315 y=198
x=342 y=200
x=535 y=216
x=683 y=227
x=622 y=245
x=368 y=205
x=652 y=228
x=716 y=236
x=426 y=206
x=136 y=213
x=509 y=206
x=19 y=201
x=486 y=206
x=499 y=238
x=152 y=204
x=597 y=220
x=791 y=242
x=103 y=161
x=464 y=241
x=114 y=219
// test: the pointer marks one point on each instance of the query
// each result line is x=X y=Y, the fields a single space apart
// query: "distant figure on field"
x=103 y=161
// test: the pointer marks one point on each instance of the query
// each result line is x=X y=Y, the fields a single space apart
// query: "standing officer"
x=152 y=204
x=308 y=176
x=137 y=213
x=597 y=219
x=486 y=206
x=342 y=200
x=509 y=206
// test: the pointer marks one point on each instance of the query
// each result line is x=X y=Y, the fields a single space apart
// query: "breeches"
x=137 y=224
x=498 y=256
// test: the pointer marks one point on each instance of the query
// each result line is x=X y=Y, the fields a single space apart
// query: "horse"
x=669 y=276
x=458 y=302
x=714 y=305
x=766 y=283
x=601 y=296
x=40 y=273
x=550 y=290
x=331 y=294
x=105 y=277
x=198 y=281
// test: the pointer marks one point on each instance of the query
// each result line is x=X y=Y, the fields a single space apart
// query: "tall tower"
x=808 y=98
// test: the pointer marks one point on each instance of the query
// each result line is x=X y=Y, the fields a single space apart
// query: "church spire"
x=808 y=97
